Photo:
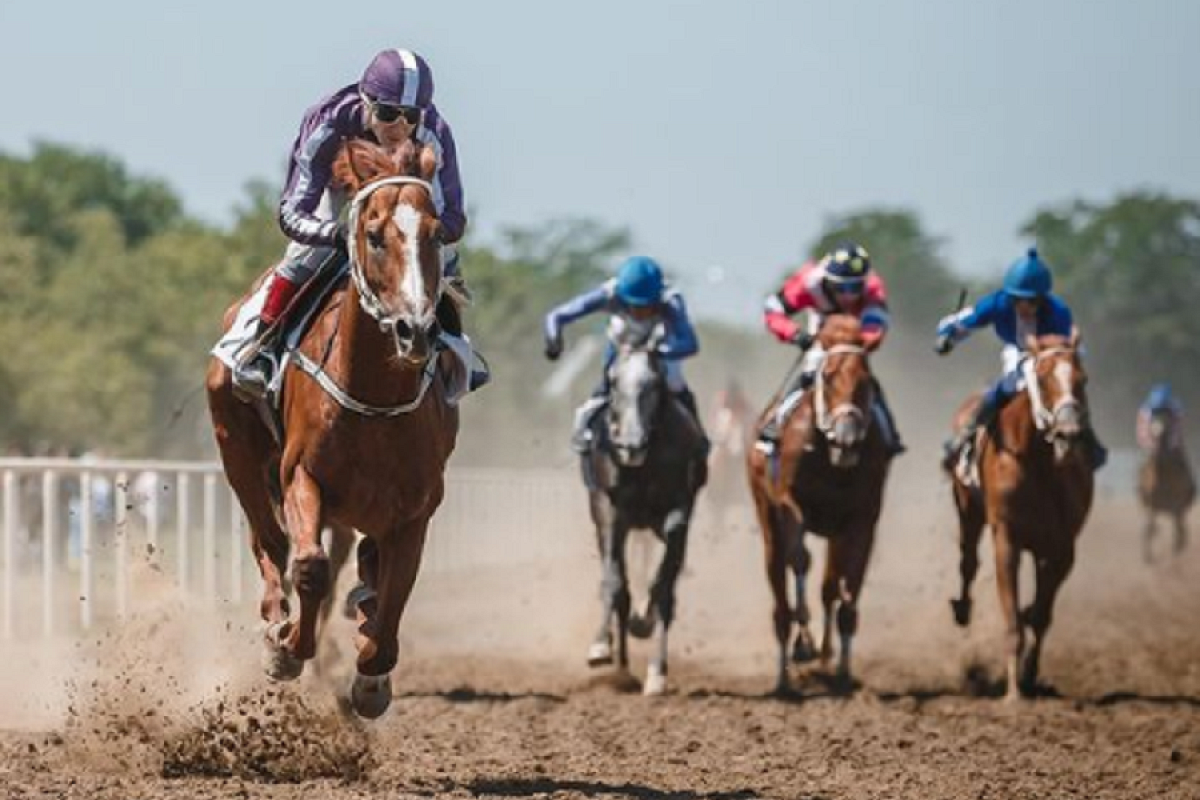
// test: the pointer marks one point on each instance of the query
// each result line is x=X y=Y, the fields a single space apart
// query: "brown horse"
x=1035 y=486
x=1165 y=484
x=366 y=430
x=829 y=479
x=731 y=427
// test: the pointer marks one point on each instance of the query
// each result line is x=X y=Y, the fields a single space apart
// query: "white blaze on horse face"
x=633 y=378
x=408 y=221
x=1064 y=371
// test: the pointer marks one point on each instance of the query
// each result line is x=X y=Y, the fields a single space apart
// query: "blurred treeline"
x=111 y=295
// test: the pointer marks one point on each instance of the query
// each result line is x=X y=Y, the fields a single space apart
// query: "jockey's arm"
x=309 y=174
x=681 y=341
x=447 y=182
x=779 y=308
x=874 y=321
x=959 y=325
x=577 y=307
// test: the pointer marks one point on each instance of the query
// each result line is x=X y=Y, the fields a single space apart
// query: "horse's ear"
x=1076 y=337
x=427 y=164
x=1031 y=343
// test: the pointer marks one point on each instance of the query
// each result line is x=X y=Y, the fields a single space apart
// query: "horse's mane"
x=840 y=329
x=360 y=161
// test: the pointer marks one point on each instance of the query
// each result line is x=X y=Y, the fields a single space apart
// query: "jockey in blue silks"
x=1160 y=402
x=1023 y=307
x=638 y=299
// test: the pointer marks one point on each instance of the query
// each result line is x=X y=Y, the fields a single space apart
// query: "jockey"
x=1161 y=401
x=1023 y=307
x=638 y=299
x=392 y=103
x=841 y=282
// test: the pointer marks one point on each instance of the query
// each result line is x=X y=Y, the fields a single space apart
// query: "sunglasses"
x=388 y=114
x=849 y=287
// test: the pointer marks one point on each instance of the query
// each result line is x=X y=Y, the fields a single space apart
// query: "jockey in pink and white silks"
x=840 y=283
x=637 y=300
x=391 y=103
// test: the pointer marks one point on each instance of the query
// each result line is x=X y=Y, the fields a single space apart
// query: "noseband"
x=826 y=419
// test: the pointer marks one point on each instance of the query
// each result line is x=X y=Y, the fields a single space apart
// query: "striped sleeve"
x=308 y=177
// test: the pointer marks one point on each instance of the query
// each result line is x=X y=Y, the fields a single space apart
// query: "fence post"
x=49 y=539
x=210 y=537
x=85 y=550
x=121 y=541
x=11 y=519
x=182 y=487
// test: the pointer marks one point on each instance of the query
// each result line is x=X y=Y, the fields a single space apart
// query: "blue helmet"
x=1160 y=396
x=640 y=282
x=1028 y=277
x=848 y=263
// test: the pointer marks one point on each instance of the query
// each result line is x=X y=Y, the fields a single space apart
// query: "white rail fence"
x=78 y=536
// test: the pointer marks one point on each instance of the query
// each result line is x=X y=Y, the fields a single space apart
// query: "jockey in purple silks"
x=392 y=103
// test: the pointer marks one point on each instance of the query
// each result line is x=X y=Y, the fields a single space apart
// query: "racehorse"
x=366 y=431
x=1032 y=484
x=826 y=478
x=1165 y=484
x=644 y=471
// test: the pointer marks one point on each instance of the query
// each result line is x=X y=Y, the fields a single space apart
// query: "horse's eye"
x=375 y=238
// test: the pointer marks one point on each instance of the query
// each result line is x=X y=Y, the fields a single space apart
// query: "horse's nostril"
x=403 y=330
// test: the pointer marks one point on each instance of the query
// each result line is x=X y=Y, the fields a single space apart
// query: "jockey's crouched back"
x=641 y=304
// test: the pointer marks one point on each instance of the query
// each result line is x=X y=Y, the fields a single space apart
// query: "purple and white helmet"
x=398 y=78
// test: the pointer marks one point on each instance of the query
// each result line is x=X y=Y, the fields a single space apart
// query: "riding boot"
x=768 y=437
x=895 y=444
x=581 y=436
x=252 y=375
x=1097 y=452
x=985 y=414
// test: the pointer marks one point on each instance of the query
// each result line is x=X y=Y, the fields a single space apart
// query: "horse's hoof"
x=962 y=612
x=600 y=654
x=803 y=651
x=277 y=662
x=656 y=682
x=641 y=627
x=370 y=695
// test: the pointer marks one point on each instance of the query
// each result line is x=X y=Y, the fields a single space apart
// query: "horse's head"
x=637 y=392
x=842 y=391
x=1057 y=384
x=395 y=259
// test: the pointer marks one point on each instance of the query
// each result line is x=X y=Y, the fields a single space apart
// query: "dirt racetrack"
x=494 y=699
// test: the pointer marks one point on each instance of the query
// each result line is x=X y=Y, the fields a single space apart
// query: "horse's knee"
x=312 y=575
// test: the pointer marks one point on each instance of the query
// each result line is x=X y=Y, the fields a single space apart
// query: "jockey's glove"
x=944 y=345
x=803 y=340
x=554 y=348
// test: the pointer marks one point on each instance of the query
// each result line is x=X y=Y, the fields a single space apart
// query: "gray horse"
x=644 y=471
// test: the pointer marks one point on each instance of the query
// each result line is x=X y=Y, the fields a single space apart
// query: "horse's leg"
x=310 y=564
x=970 y=528
x=850 y=556
x=804 y=648
x=244 y=445
x=662 y=595
x=394 y=562
x=830 y=595
x=1148 y=534
x=1008 y=562
x=614 y=587
x=1181 y=533
x=341 y=542
x=1049 y=576
x=775 y=557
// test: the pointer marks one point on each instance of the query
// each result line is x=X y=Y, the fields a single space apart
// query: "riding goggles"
x=387 y=113
x=849 y=287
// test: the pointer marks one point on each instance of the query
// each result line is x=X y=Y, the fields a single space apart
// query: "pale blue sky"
x=721 y=133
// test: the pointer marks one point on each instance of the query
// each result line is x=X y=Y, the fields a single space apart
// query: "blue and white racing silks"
x=679 y=340
x=997 y=309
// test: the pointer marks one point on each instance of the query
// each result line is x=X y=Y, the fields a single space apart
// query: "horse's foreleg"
x=849 y=557
x=1008 y=562
x=341 y=542
x=830 y=595
x=614 y=590
x=662 y=595
x=803 y=649
x=970 y=528
x=1049 y=576
x=397 y=559
x=775 y=560
x=1181 y=533
x=1148 y=533
x=310 y=564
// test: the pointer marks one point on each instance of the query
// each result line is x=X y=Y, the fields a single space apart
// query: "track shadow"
x=1120 y=698
x=519 y=787
x=466 y=694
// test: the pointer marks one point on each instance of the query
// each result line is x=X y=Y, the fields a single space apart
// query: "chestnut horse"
x=829 y=479
x=643 y=472
x=1035 y=486
x=1165 y=484
x=366 y=430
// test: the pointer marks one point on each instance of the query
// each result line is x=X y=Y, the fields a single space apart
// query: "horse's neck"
x=1018 y=430
x=365 y=358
